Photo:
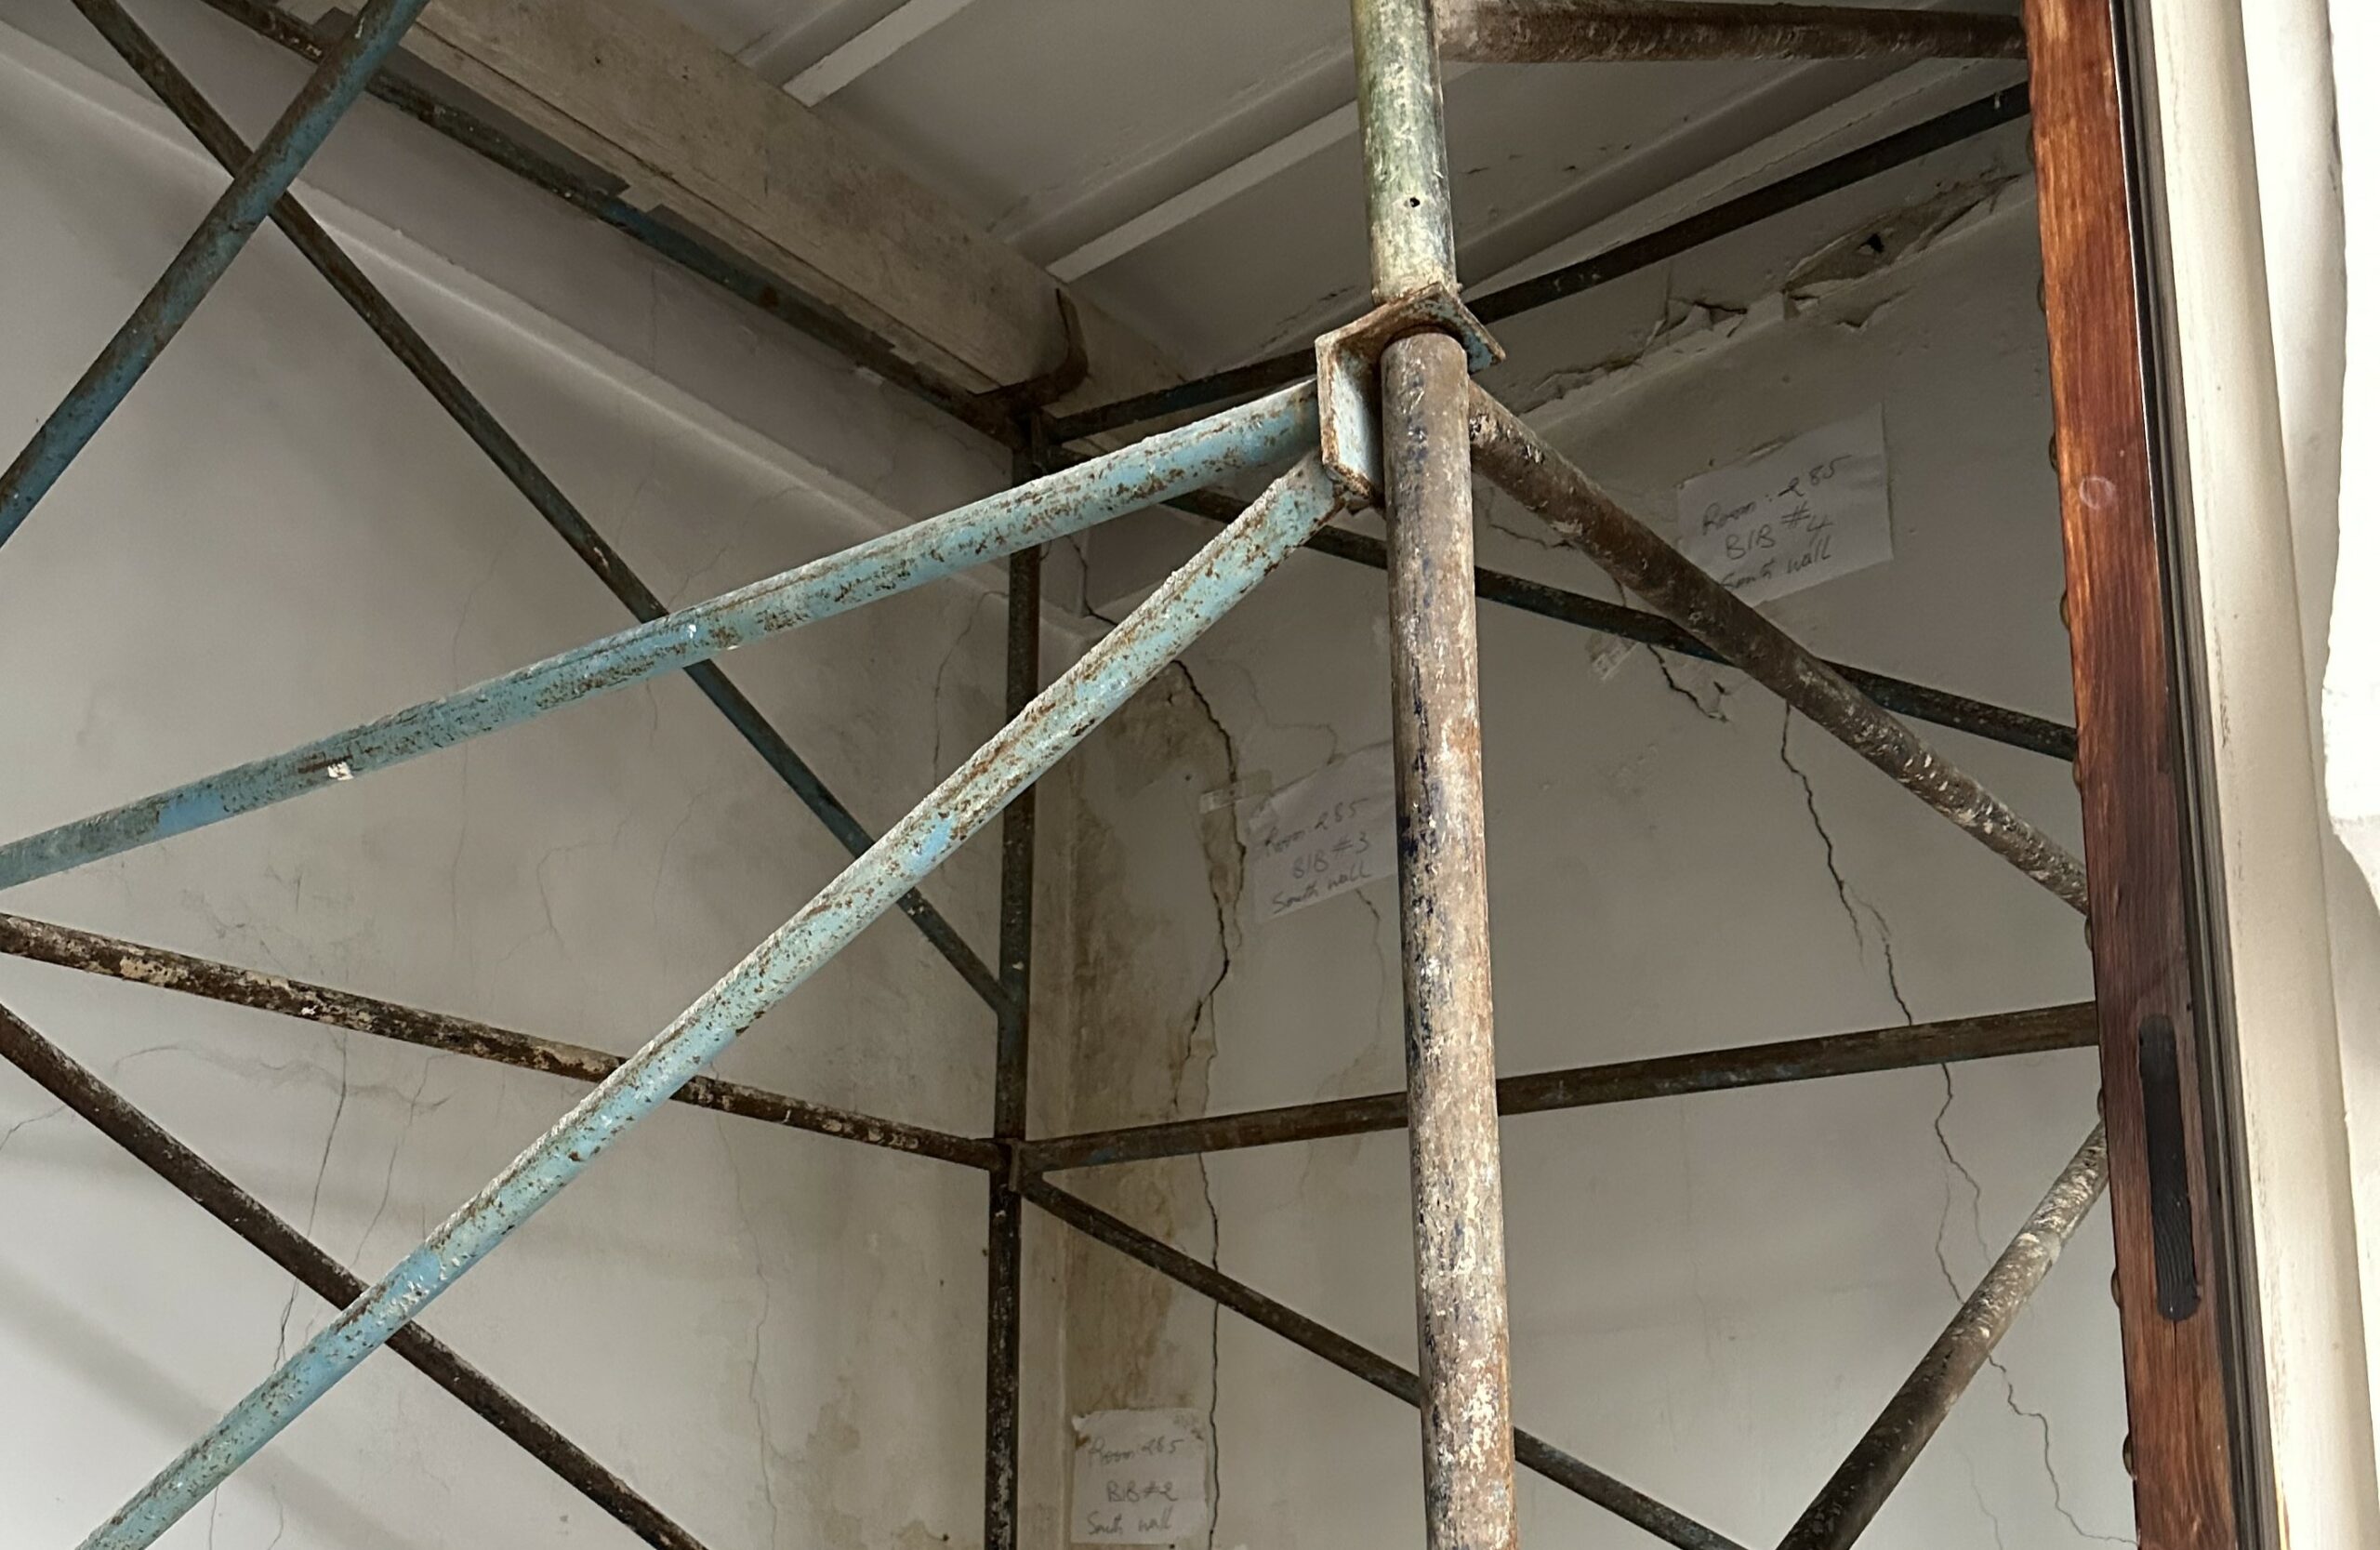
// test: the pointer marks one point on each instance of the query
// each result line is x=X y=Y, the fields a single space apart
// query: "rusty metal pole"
x=1850 y=1499
x=1004 y=1289
x=91 y=952
x=306 y=1262
x=1449 y=1030
x=1894 y=1048
x=1564 y=32
x=1513 y=455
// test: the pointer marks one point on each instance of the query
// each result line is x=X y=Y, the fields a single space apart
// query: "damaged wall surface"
x=1712 y=1295
x=280 y=534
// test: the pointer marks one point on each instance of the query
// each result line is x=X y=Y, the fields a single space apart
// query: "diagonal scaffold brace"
x=212 y=1191
x=1237 y=441
x=1059 y=718
x=319 y=248
x=261 y=182
x=1519 y=460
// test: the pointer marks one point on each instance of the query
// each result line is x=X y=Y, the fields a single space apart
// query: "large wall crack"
x=1204 y=1015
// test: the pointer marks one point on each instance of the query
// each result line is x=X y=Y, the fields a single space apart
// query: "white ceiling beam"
x=901 y=27
x=1867 y=114
x=1180 y=210
x=642 y=95
x=1241 y=124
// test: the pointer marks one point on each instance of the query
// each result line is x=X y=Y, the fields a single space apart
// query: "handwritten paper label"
x=1809 y=512
x=1334 y=831
x=1140 y=1477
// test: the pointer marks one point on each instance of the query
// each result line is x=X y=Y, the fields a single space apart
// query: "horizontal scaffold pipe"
x=203 y=1185
x=1842 y=1054
x=94 y=953
x=1578 y=31
x=1180 y=610
x=1234 y=442
x=1519 y=461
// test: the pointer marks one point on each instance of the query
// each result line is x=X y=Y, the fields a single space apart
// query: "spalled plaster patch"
x=1850 y=279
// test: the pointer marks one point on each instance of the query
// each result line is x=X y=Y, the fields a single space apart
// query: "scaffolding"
x=1384 y=412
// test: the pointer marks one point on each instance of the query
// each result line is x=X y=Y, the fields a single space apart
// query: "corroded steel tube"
x=207 y=1188
x=1143 y=474
x=1405 y=150
x=1004 y=1235
x=294 y=138
x=1562 y=31
x=1441 y=823
x=1182 y=609
x=1518 y=459
x=1895 y=1048
x=1851 y=1498
x=1442 y=889
x=94 y=953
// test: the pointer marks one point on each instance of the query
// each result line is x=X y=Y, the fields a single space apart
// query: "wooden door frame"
x=2185 y=1286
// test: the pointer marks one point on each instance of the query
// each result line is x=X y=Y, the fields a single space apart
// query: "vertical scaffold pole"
x=1004 y=1289
x=1449 y=1031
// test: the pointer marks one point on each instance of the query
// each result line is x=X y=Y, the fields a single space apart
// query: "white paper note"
x=1333 y=830
x=1809 y=512
x=1140 y=1477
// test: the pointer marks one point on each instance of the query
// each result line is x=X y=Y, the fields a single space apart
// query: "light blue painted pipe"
x=266 y=175
x=1148 y=471
x=1178 y=612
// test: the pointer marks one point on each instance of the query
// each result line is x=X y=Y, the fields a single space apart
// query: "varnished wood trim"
x=2131 y=773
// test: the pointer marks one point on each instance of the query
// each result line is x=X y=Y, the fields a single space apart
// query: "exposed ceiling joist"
x=1181 y=208
x=640 y=94
x=899 y=28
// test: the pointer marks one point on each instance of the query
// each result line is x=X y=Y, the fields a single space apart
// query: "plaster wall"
x=777 y=1337
x=1712 y=1296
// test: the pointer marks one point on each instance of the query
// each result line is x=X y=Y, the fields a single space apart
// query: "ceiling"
x=1191 y=164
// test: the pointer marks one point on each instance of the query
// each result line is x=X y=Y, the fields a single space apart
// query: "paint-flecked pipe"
x=318 y=247
x=1457 y=1167
x=1894 y=1048
x=1852 y=1497
x=91 y=952
x=1525 y=466
x=1190 y=600
x=303 y=126
x=208 y=1188
x=1566 y=32
x=1468 y=1497
x=1138 y=476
